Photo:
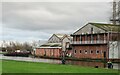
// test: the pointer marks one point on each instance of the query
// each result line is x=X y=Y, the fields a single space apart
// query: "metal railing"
x=90 y=42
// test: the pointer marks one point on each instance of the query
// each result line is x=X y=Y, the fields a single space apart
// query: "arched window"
x=80 y=51
x=75 y=51
x=97 y=51
x=85 y=51
x=91 y=52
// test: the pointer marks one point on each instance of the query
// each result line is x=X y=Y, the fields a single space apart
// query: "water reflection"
x=92 y=64
x=86 y=63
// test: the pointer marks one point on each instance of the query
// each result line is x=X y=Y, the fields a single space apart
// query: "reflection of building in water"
x=96 y=40
x=85 y=63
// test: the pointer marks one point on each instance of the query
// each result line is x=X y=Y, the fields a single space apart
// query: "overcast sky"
x=27 y=21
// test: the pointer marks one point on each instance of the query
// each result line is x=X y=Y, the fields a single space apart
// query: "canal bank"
x=95 y=64
x=12 y=66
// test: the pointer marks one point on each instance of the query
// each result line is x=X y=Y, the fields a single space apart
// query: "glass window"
x=75 y=51
x=91 y=52
x=97 y=52
x=80 y=51
x=85 y=51
x=91 y=29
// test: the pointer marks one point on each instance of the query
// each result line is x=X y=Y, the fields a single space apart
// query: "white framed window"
x=86 y=52
x=97 y=51
x=91 y=51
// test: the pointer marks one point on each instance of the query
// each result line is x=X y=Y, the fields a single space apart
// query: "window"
x=80 y=39
x=80 y=51
x=91 y=29
x=91 y=52
x=86 y=39
x=85 y=51
x=91 y=38
x=75 y=51
x=97 y=52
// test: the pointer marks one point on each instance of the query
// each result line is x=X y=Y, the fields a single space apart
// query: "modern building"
x=96 y=40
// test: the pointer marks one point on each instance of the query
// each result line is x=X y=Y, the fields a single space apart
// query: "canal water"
x=78 y=63
x=93 y=64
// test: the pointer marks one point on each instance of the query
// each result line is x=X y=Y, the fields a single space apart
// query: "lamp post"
x=63 y=57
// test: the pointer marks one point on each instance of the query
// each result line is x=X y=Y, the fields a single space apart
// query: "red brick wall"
x=91 y=47
x=69 y=51
x=40 y=52
x=49 y=52
x=94 y=48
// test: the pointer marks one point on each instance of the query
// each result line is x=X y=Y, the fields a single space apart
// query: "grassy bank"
x=9 y=66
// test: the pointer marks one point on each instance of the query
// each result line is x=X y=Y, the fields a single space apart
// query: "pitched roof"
x=51 y=45
x=107 y=27
x=60 y=35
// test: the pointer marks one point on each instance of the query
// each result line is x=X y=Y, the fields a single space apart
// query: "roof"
x=60 y=35
x=51 y=45
x=107 y=27
x=69 y=37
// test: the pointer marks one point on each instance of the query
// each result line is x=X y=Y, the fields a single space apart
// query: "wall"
x=64 y=41
x=87 y=29
x=54 y=39
x=39 y=52
x=86 y=51
x=113 y=50
x=55 y=52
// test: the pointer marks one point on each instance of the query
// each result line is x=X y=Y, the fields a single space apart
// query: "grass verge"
x=11 y=66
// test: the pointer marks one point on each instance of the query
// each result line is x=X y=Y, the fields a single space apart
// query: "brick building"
x=54 y=47
x=66 y=45
x=96 y=40
x=48 y=51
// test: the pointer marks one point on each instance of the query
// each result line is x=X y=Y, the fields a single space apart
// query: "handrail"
x=89 y=42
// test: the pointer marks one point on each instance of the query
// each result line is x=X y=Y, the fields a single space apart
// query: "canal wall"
x=80 y=59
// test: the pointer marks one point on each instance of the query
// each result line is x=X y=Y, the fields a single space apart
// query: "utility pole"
x=119 y=33
x=114 y=12
x=116 y=21
x=118 y=13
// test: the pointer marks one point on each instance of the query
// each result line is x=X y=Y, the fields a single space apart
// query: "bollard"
x=63 y=61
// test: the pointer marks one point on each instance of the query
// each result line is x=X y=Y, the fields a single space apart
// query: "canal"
x=71 y=62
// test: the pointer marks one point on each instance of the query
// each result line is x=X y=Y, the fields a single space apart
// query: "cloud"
x=57 y=0
x=33 y=20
